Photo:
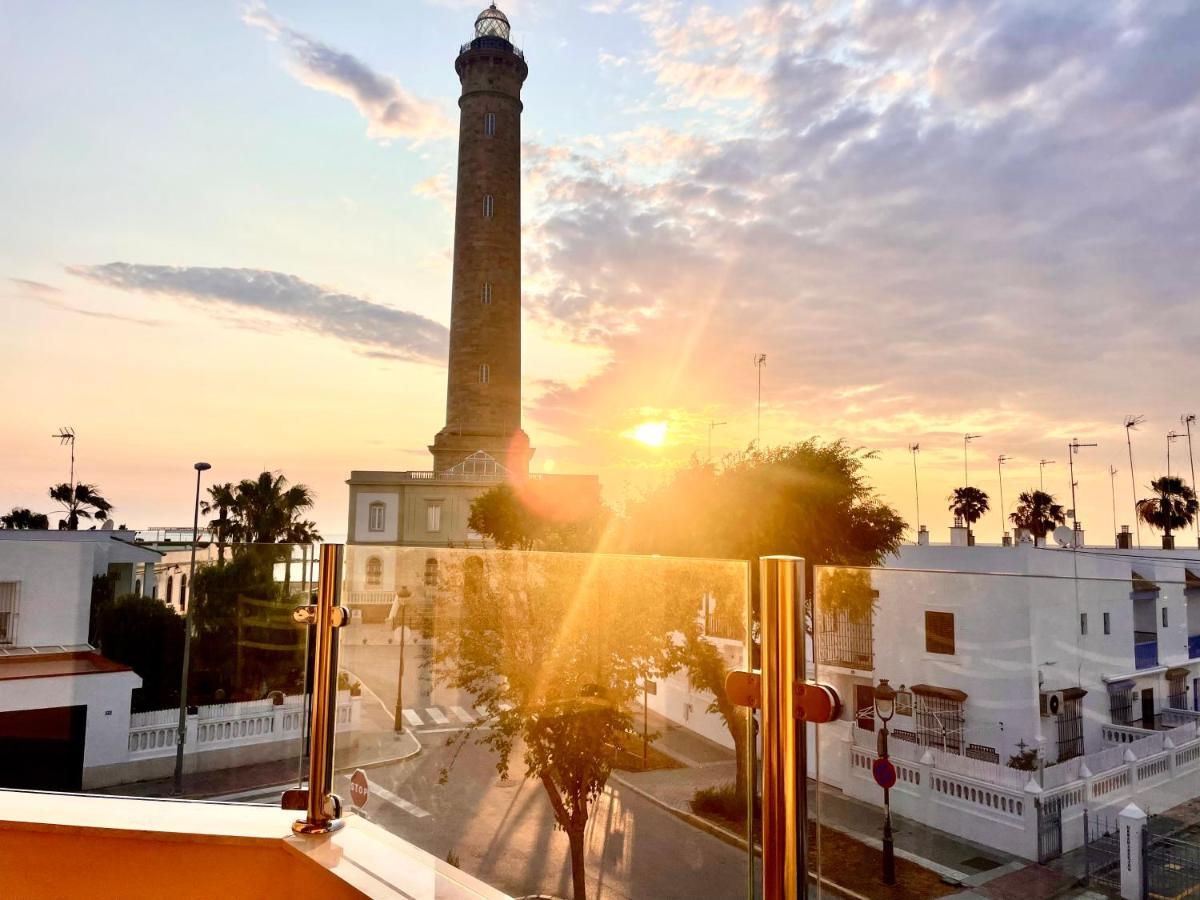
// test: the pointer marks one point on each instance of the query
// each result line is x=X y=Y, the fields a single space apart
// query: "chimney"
x=1006 y=540
x=1124 y=538
x=923 y=536
x=1079 y=541
x=958 y=533
x=1024 y=536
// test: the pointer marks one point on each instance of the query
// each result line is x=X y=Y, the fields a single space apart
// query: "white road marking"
x=463 y=715
x=437 y=715
x=410 y=808
x=412 y=718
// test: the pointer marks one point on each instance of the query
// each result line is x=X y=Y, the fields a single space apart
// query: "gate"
x=1103 y=853
x=1049 y=816
x=1172 y=868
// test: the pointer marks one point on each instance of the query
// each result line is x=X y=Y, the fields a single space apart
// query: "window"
x=940 y=720
x=939 y=632
x=1164 y=617
x=489 y=206
x=1177 y=689
x=8 y=612
x=1120 y=706
x=374 y=571
x=1107 y=624
x=904 y=703
x=864 y=707
x=431 y=572
x=486 y=294
x=489 y=124
x=170 y=588
x=137 y=587
x=485 y=374
x=375 y=514
x=1070 y=729
x=182 y=591
x=1083 y=623
x=433 y=517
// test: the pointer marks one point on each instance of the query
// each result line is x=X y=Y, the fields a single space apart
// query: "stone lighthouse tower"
x=483 y=392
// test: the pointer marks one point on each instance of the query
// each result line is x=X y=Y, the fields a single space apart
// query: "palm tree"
x=969 y=504
x=83 y=501
x=266 y=508
x=22 y=519
x=1037 y=513
x=222 y=500
x=1174 y=508
x=302 y=533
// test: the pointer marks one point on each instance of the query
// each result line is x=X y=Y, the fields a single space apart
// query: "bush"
x=1025 y=761
x=146 y=635
x=722 y=802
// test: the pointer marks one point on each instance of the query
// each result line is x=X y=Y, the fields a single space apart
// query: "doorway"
x=1148 y=708
x=42 y=749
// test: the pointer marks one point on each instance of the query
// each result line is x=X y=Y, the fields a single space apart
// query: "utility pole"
x=914 y=449
x=1131 y=424
x=1072 y=449
x=1187 y=419
x=1112 y=477
x=760 y=360
x=967 y=438
x=1000 y=461
x=1042 y=473
x=711 y=425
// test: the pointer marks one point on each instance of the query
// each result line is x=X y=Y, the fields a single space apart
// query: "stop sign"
x=359 y=788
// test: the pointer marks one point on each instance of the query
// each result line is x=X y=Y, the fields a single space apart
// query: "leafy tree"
x=266 y=508
x=526 y=515
x=221 y=500
x=498 y=513
x=1037 y=513
x=969 y=503
x=146 y=635
x=553 y=647
x=1174 y=508
x=81 y=501
x=22 y=519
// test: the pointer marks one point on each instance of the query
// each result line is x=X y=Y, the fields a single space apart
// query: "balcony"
x=843 y=640
x=1145 y=650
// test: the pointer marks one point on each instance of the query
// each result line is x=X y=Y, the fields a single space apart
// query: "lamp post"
x=181 y=731
x=1000 y=461
x=1131 y=424
x=885 y=708
x=403 y=594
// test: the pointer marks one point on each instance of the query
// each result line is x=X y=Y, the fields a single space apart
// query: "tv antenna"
x=66 y=437
x=1042 y=473
x=1131 y=424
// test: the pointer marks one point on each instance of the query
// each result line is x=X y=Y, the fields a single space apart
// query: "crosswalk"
x=431 y=718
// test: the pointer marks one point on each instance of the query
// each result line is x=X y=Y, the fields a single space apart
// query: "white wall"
x=55 y=589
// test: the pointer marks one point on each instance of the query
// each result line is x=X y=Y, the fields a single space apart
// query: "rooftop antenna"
x=1112 y=477
x=1187 y=419
x=967 y=438
x=1000 y=461
x=1172 y=437
x=1042 y=473
x=65 y=437
x=914 y=449
x=760 y=360
x=1072 y=449
x=1131 y=424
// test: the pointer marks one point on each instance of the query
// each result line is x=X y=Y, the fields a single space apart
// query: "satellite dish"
x=108 y=525
x=1064 y=535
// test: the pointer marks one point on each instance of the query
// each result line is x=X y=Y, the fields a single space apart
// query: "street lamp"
x=885 y=708
x=403 y=594
x=181 y=731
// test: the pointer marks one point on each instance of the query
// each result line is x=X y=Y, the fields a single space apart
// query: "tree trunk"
x=578 y=882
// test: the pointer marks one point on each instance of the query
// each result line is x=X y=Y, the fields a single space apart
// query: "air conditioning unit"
x=1052 y=703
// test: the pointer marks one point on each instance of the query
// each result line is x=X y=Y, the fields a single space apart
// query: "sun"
x=652 y=434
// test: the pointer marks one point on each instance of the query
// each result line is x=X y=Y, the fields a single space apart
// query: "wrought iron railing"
x=846 y=641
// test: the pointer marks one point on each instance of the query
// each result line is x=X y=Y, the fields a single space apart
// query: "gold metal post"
x=324 y=807
x=785 y=801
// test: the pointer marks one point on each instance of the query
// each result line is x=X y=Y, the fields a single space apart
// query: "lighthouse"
x=483 y=434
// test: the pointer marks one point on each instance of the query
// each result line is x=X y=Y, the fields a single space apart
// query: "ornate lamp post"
x=885 y=708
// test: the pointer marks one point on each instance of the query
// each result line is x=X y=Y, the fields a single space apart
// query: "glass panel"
x=90 y=685
x=1017 y=738
x=513 y=709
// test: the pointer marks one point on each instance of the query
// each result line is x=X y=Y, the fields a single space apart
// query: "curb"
x=384 y=761
x=727 y=836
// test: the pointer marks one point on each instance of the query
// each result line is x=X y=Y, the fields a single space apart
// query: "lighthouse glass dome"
x=492 y=23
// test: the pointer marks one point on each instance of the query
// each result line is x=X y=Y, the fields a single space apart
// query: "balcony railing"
x=845 y=641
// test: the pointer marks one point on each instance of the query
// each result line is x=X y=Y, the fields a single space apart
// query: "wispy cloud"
x=390 y=110
x=370 y=327
x=48 y=295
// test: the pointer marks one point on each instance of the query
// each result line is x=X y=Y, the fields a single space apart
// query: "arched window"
x=183 y=597
x=170 y=588
x=375 y=515
x=137 y=587
x=486 y=293
x=374 y=571
x=485 y=374
x=489 y=124
x=431 y=572
x=488 y=205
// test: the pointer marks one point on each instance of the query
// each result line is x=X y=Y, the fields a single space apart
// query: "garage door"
x=42 y=749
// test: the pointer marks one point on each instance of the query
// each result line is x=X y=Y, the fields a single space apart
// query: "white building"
x=64 y=708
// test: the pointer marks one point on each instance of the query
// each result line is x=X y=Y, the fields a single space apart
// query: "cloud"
x=47 y=295
x=371 y=328
x=390 y=110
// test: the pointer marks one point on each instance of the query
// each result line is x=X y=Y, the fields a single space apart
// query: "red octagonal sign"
x=884 y=772
x=359 y=789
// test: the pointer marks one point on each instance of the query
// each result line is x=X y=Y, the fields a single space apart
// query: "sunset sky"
x=227 y=227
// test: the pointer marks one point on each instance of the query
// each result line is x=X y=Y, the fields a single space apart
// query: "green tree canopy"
x=80 y=501
x=969 y=503
x=1037 y=513
x=146 y=635
x=22 y=519
x=1174 y=506
x=532 y=514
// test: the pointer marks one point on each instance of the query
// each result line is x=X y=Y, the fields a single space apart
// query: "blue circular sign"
x=884 y=772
